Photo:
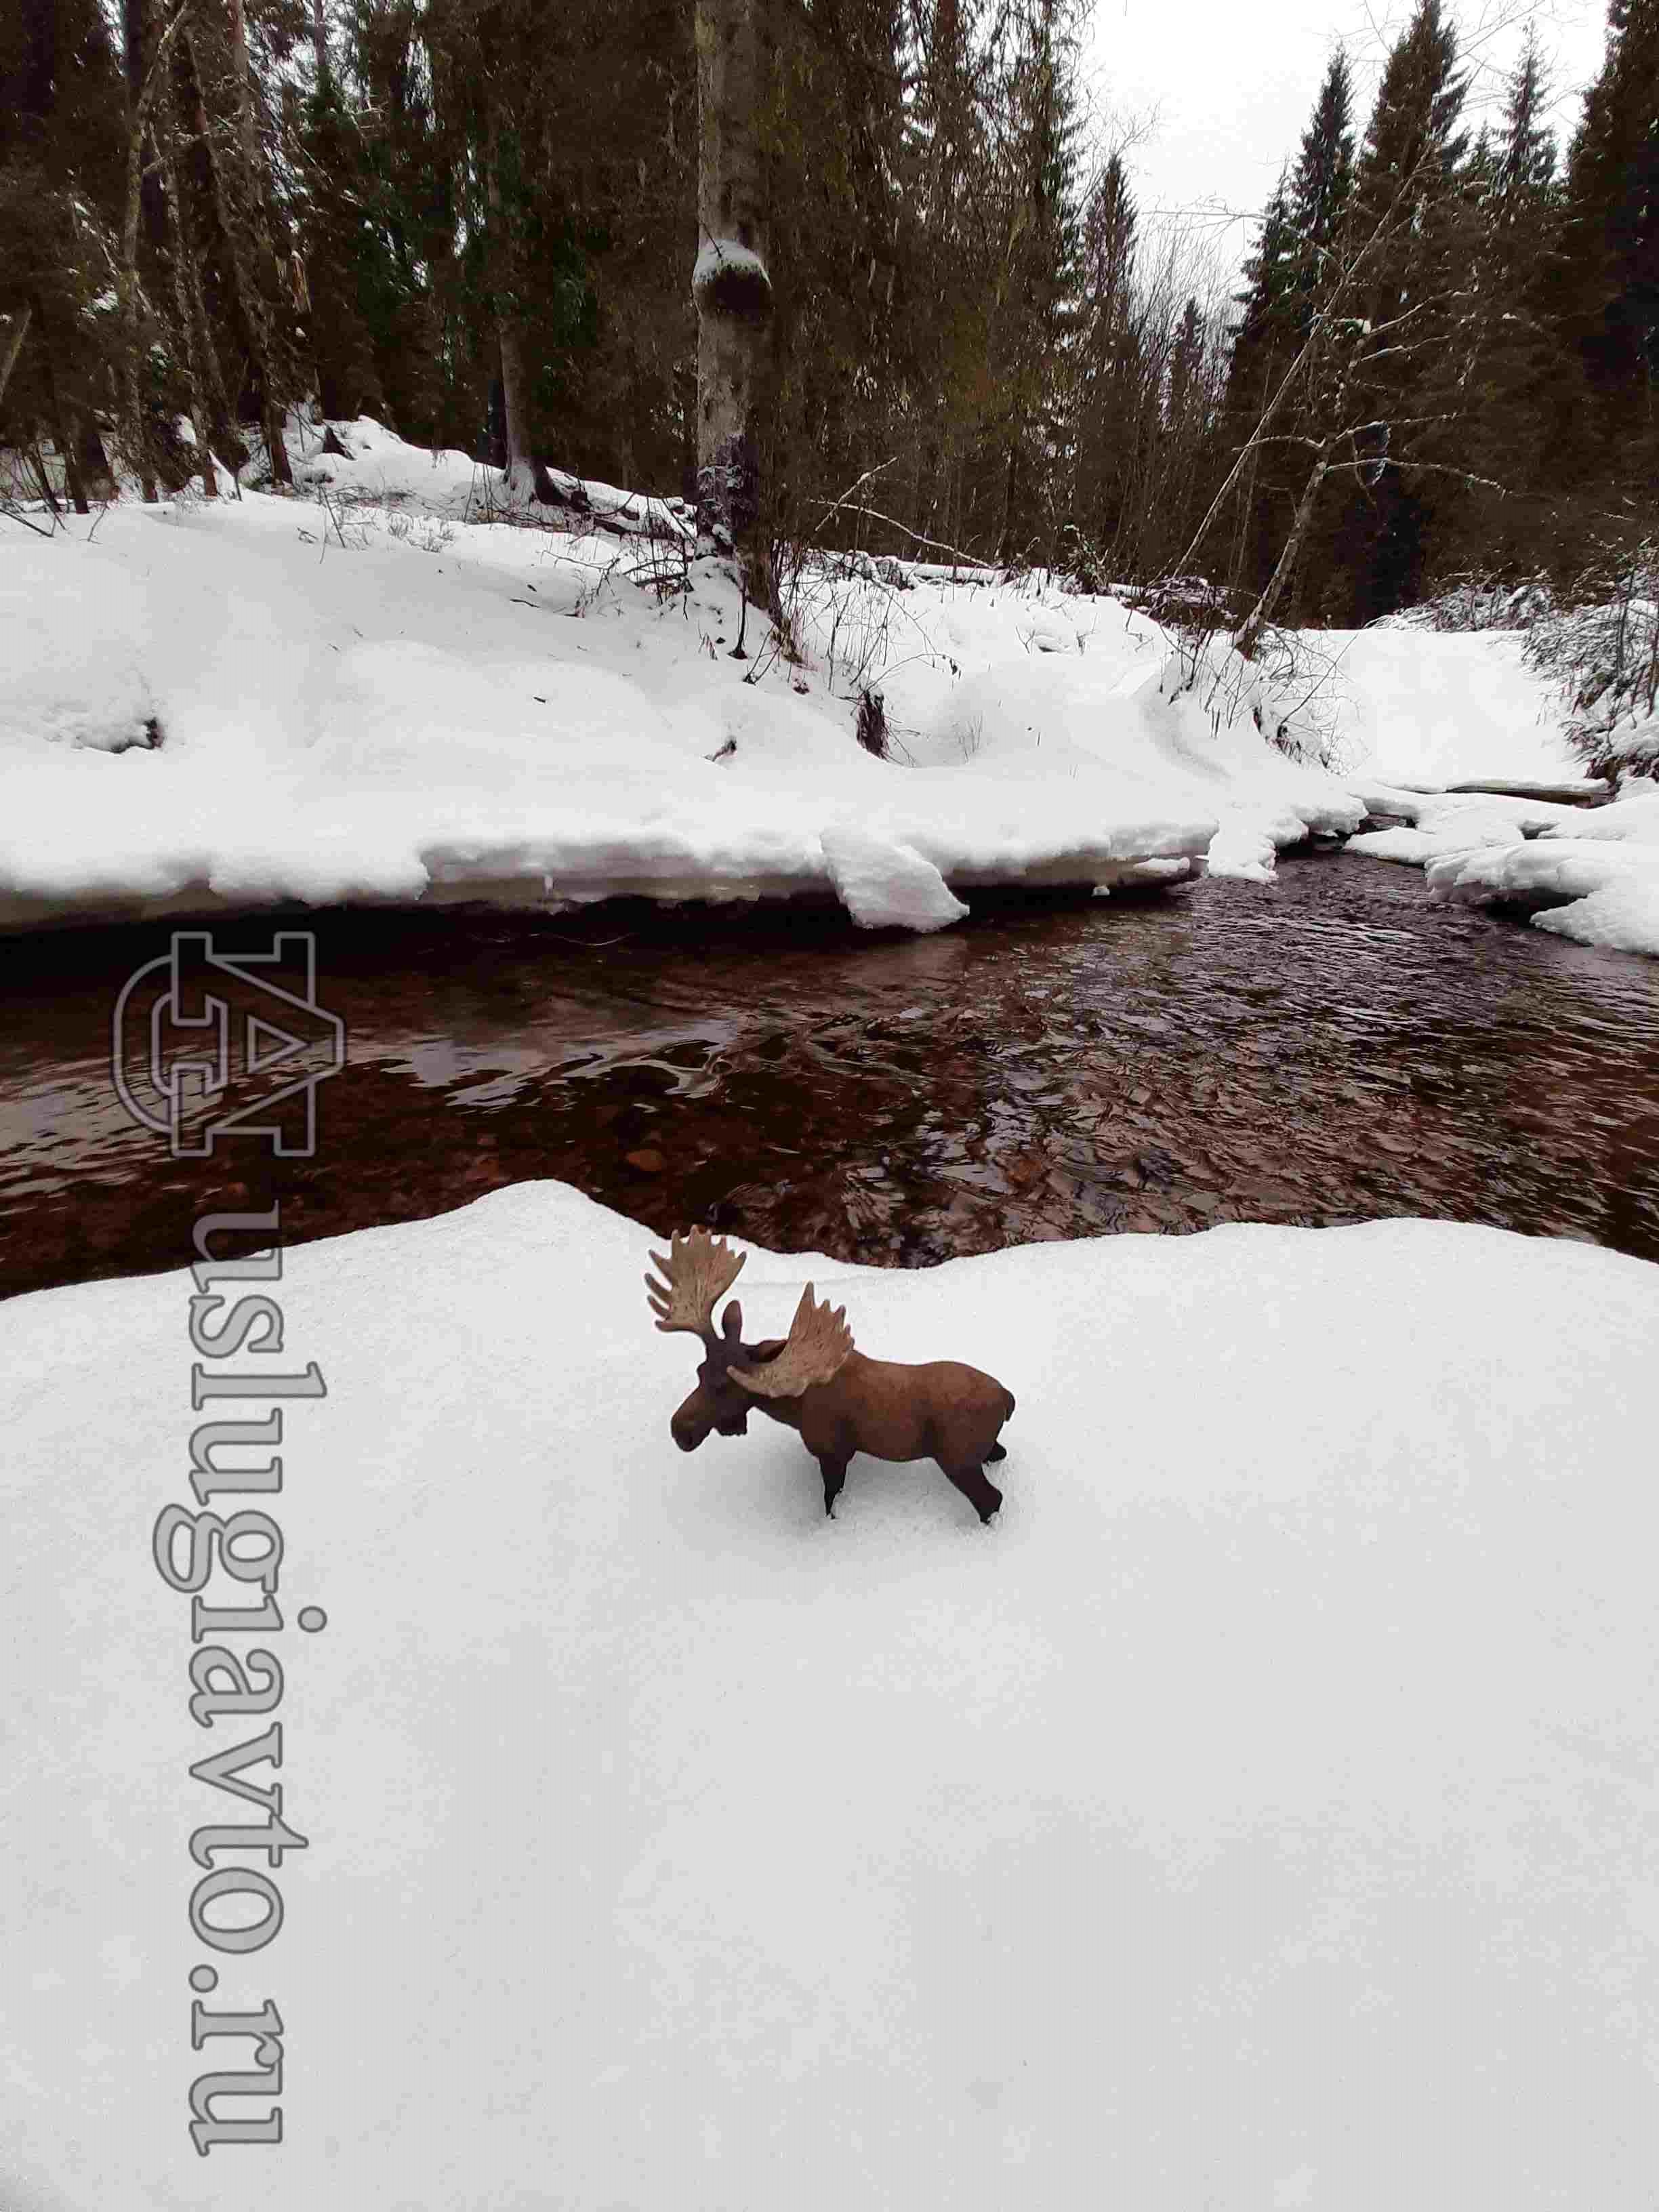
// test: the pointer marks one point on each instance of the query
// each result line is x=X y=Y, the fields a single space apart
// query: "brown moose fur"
x=941 y=1410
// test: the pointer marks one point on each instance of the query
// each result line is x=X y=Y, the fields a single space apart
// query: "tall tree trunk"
x=1004 y=528
x=731 y=283
x=265 y=257
x=137 y=59
x=219 y=59
x=1249 y=635
x=144 y=76
x=41 y=52
x=13 y=329
x=63 y=430
x=189 y=211
x=527 y=478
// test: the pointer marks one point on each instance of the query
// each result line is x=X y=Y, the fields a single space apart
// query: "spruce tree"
x=1108 y=372
x=1319 y=191
x=1611 y=238
x=1034 y=335
x=1504 y=441
x=61 y=171
x=342 y=253
x=1264 y=344
x=1410 y=216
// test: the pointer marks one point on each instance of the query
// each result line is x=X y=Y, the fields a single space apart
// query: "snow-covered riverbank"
x=511 y=715
x=1259 y=1813
x=378 y=700
x=1589 y=873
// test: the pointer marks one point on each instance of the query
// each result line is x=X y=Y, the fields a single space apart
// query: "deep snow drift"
x=1259 y=1813
x=367 y=694
x=383 y=702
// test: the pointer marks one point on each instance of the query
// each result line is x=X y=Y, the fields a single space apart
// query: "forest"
x=477 y=221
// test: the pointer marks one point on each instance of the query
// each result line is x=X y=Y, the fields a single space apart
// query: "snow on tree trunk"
x=201 y=362
x=729 y=284
x=259 y=202
x=13 y=329
x=527 y=478
x=182 y=125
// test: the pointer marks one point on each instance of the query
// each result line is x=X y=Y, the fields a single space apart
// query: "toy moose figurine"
x=814 y=1382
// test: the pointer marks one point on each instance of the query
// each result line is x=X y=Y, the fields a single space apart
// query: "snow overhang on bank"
x=364 y=699
x=1587 y=872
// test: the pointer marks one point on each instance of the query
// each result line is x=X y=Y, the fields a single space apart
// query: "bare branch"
x=972 y=560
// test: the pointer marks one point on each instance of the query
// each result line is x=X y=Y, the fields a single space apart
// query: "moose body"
x=838 y=1401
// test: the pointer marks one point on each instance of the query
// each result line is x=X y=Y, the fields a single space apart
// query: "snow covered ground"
x=1259 y=1813
x=371 y=699
x=367 y=694
x=1437 y=707
x=1593 y=871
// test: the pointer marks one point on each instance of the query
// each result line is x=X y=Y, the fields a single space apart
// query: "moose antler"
x=818 y=1345
x=697 y=1270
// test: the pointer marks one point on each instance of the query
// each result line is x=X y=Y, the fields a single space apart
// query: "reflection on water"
x=1326 y=1050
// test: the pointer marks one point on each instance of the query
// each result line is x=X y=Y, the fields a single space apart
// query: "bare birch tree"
x=731 y=283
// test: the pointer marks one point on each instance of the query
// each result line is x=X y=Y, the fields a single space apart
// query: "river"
x=1327 y=1050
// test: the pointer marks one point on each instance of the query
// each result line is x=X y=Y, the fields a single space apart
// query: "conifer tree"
x=1319 y=191
x=1263 y=347
x=1040 y=284
x=1109 y=380
x=1611 y=238
x=1411 y=344
x=332 y=199
x=62 y=106
x=1493 y=522
x=940 y=302
x=261 y=310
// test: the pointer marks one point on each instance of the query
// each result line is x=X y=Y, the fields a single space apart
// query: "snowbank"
x=1591 y=873
x=358 y=702
x=370 y=696
x=1422 y=706
x=1597 y=877
x=373 y=466
x=1416 y=706
x=1259 y=1814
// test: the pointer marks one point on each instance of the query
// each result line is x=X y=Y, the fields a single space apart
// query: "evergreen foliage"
x=477 y=219
x=1611 y=240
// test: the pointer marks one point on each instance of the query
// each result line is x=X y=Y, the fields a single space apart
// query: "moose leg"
x=983 y=1496
x=834 y=1471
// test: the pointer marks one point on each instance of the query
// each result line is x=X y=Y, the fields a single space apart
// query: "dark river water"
x=1328 y=1050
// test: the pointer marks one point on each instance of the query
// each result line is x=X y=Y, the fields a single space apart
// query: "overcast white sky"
x=1227 y=86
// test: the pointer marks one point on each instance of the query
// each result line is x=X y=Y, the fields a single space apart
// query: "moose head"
x=813 y=1381
x=697 y=1271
